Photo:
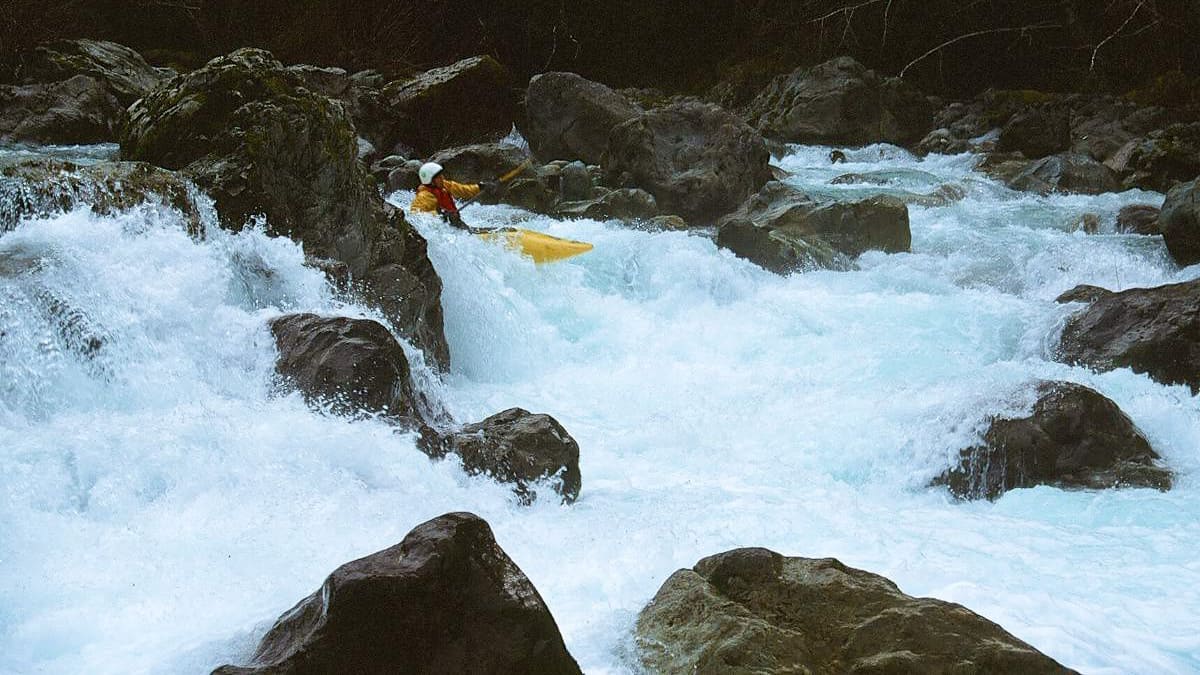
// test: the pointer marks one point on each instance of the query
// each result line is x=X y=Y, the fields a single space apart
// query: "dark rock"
x=1037 y=131
x=1075 y=438
x=626 y=205
x=752 y=610
x=1066 y=172
x=355 y=365
x=840 y=102
x=1102 y=126
x=1004 y=166
x=575 y=183
x=1088 y=223
x=247 y=131
x=1083 y=293
x=447 y=599
x=1139 y=219
x=531 y=193
x=1161 y=160
x=123 y=70
x=569 y=117
x=942 y=142
x=480 y=162
x=696 y=159
x=470 y=101
x=1149 y=330
x=783 y=230
x=1180 y=223
x=405 y=177
x=78 y=110
x=519 y=447
x=408 y=290
x=331 y=82
x=34 y=187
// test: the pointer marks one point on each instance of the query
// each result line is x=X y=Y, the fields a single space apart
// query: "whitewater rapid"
x=161 y=503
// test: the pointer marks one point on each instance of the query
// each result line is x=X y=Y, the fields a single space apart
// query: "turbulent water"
x=161 y=503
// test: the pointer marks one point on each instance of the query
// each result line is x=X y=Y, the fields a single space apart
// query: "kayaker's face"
x=437 y=181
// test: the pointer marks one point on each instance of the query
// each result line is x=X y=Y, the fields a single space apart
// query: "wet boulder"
x=331 y=82
x=575 y=182
x=626 y=205
x=1179 y=223
x=1066 y=172
x=481 y=162
x=38 y=187
x=751 y=610
x=840 y=102
x=447 y=599
x=784 y=230
x=1162 y=159
x=1149 y=330
x=1083 y=293
x=519 y=447
x=1037 y=131
x=122 y=70
x=260 y=143
x=407 y=288
x=698 y=160
x=354 y=365
x=78 y=110
x=1101 y=126
x=1074 y=438
x=466 y=102
x=1139 y=219
x=570 y=117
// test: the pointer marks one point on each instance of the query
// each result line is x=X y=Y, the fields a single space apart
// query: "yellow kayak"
x=543 y=248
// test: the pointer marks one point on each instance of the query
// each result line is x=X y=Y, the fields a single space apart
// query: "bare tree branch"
x=1092 y=65
x=977 y=33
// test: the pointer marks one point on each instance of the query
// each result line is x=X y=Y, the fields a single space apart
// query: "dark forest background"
x=951 y=47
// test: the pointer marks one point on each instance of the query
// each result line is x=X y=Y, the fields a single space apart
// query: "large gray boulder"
x=39 y=187
x=570 y=117
x=1074 y=438
x=784 y=230
x=353 y=365
x=1066 y=172
x=259 y=142
x=840 y=102
x=698 y=160
x=447 y=599
x=123 y=70
x=519 y=447
x=1179 y=223
x=1037 y=131
x=78 y=110
x=466 y=102
x=1149 y=330
x=751 y=610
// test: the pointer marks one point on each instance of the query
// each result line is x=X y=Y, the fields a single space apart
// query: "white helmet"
x=427 y=171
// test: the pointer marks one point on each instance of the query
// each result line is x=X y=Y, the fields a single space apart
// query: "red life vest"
x=445 y=200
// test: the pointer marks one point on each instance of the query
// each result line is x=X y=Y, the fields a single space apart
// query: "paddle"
x=502 y=179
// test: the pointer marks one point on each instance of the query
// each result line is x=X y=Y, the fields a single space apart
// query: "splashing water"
x=161 y=504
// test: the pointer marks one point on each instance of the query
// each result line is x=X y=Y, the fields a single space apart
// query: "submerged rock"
x=840 y=102
x=78 y=110
x=447 y=599
x=519 y=447
x=1180 y=223
x=570 y=117
x=752 y=610
x=1075 y=438
x=784 y=230
x=1139 y=219
x=1149 y=330
x=696 y=159
x=353 y=364
x=122 y=70
x=35 y=187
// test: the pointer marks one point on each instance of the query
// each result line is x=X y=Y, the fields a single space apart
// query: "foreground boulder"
x=784 y=230
x=1179 y=223
x=470 y=101
x=259 y=142
x=1139 y=219
x=122 y=70
x=840 y=102
x=1066 y=172
x=1149 y=330
x=516 y=446
x=569 y=117
x=38 y=187
x=355 y=365
x=1075 y=438
x=79 y=110
x=447 y=599
x=698 y=161
x=752 y=610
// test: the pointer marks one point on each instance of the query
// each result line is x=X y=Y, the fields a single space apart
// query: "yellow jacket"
x=425 y=201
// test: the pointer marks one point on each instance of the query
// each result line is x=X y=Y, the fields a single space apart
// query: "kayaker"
x=436 y=194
